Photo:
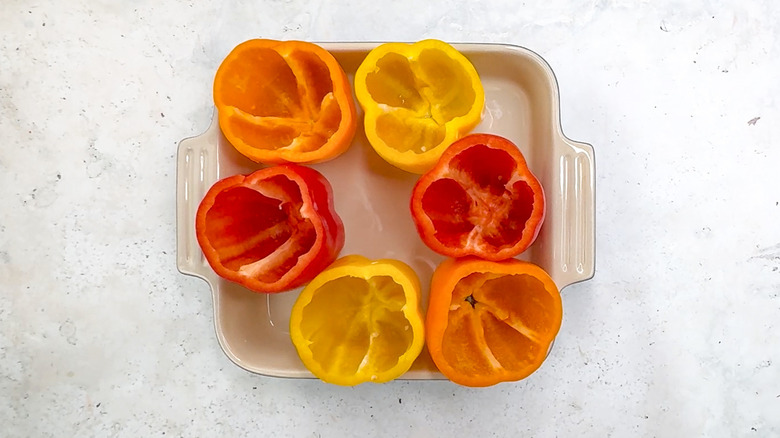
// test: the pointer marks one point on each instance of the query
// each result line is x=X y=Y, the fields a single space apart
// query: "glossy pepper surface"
x=284 y=102
x=491 y=322
x=359 y=321
x=417 y=99
x=272 y=230
x=479 y=199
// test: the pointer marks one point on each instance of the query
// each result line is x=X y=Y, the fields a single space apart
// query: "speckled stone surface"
x=678 y=334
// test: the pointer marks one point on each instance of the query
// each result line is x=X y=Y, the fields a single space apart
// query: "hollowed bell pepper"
x=491 y=322
x=272 y=230
x=480 y=199
x=417 y=98
x=284 y=102
x=359 y=321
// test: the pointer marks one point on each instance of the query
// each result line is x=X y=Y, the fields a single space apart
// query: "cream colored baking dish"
x=372 y=197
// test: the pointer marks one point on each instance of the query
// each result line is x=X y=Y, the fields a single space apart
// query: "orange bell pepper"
x=491 y=322
x=284 y=102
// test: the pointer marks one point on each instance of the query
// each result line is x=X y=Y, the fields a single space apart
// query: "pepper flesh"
x=417 y=98
x=284 y=102
x=359 y=321
x=272 y=230
x=491 y=322
x=480 y=199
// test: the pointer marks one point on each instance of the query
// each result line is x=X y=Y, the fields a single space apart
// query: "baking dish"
x=372 y=197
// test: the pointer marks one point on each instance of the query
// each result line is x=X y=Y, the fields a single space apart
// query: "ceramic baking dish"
x=372 y=197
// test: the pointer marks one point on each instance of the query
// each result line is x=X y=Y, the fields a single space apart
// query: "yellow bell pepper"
x=359 y=321
x=417 y=99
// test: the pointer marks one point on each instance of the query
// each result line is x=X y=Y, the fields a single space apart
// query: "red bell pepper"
x=480 y=199
x=272 y=230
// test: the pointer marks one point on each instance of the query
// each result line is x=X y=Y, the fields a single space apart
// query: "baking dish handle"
x=574 y=255
x=196 y=169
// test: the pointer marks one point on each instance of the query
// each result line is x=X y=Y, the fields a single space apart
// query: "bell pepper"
x=417 y=98
x=480 y=199
x=359 y=321
x=272 y=230
x=284 y=101
x=491 y=322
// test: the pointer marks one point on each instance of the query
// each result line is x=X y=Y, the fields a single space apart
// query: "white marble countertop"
x=678 y=334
